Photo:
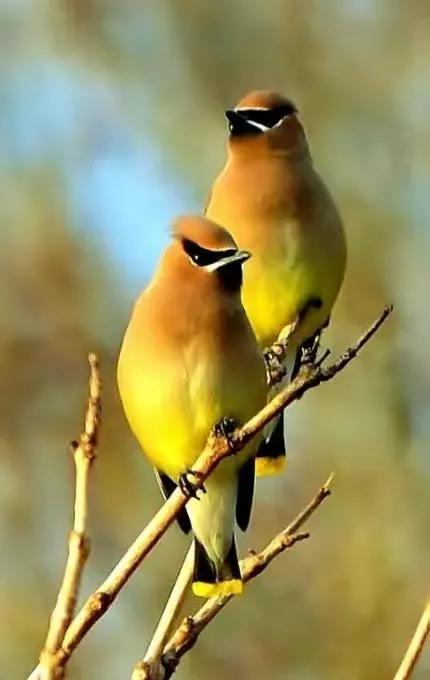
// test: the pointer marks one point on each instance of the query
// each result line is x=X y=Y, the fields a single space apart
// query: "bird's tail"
x=211 y=579
x=271 y=454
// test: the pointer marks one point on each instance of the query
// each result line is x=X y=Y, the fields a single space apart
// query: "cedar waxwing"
x=189 y=359
x=271 y=199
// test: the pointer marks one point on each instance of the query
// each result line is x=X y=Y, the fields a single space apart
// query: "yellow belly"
x=172 y=411
x=298 y=253
x=274 y=296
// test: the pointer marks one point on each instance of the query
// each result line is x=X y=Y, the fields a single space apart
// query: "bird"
x=275 y=204
x=189 y=363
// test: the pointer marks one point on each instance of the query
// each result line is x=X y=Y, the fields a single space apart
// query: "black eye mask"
x=203 y=257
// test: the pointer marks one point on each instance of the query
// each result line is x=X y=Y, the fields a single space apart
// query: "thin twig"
x=416 y=646
x=216 y=449
x=84 y=453
x=309 y=376
x=189 y=631
x=171 y=611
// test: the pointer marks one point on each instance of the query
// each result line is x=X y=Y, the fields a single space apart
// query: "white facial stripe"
x=279 y=122
x=239 y=256
x=213 y=250
x=224 y=260
x=259 y=126
x=252 y=108
x=219 y=263
x=222 y=250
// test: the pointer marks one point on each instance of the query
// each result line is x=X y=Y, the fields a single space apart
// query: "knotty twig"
x=216 y=449
x=84 y=453
x=189 y=631
x=171 y=610
x=416 y=646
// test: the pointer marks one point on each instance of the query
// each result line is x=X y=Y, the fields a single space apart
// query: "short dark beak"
x=242 y=256
x=239 y=256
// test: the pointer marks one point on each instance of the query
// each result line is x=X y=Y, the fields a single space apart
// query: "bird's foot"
x=225 y=429
x=190 y=489
x=273 y=358
x=309 y=351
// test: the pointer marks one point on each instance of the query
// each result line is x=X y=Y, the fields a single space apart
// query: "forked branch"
x=189 y=631
x=217 y=448
x=84 y=453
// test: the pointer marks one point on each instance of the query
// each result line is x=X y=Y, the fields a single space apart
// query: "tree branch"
x=416 y=646
x=84 y=453
x=216 y=449
x=171 y=610
x=191 y=627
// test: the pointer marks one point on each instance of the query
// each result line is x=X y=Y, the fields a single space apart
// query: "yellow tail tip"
x=231 y=587
x=269 y=466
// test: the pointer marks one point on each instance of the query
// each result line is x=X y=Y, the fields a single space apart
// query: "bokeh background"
x=111 y=124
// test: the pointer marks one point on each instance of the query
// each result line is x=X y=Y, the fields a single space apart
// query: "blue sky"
x=117 y=187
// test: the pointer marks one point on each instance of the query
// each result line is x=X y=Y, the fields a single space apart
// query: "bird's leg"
x=310 y=348
x=273 y=358
x=275 y=355
x=190 y=489
x=225 y=429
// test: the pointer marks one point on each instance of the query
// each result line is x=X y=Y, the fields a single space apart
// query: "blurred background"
x=111 y=124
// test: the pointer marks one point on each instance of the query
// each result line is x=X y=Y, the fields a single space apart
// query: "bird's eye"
x=202 y=257
x=271 y=117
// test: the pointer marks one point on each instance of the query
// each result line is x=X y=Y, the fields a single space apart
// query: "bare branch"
x=189 y=631
x=416 y=646
x=308 y=377
x=84 y=453
x=171 y=611
x=216 y=449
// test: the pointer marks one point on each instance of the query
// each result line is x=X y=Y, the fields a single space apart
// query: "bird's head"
x=205 y=251
x=264 y=119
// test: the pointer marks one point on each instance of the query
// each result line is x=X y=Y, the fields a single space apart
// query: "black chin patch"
x=230 y=276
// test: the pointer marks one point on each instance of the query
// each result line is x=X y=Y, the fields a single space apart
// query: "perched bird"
x=190 y=358
x=274 y=203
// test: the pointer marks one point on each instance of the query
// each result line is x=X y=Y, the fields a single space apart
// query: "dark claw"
x=190 y=489
x=225 y=429
x=272 y=354
x=309 y=350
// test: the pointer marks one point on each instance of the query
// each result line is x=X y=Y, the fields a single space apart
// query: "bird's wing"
x=245 y=493
x=167 y=487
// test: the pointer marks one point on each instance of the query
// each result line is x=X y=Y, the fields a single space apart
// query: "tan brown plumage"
x=275 y=204
x=188 y=359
